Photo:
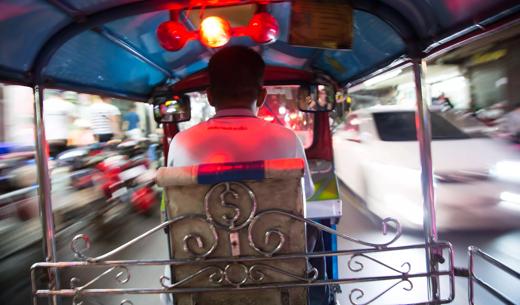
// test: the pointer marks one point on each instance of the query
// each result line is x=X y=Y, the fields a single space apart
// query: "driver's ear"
x=261 y=97
x=210 y=97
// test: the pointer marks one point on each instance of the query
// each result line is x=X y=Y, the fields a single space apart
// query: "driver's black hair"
x=236 y=75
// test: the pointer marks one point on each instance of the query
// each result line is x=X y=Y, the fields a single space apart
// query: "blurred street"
x=503 y=245
x=16 y=267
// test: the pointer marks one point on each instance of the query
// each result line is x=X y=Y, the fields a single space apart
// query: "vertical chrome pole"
x=471 y=268
x=424 y=136
x=44 y=190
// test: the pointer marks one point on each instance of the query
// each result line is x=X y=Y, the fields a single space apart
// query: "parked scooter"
x=120 y=169
x=136 y=177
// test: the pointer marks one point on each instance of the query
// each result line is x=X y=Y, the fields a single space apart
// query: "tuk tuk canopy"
x=110 y=47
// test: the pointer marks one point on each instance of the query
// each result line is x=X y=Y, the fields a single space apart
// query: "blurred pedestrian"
x=445 y=102
x=82 y=135
x=131 y=123
x=104 y=119
x=58 y=114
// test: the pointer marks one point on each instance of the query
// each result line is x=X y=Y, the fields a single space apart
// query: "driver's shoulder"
x=280 y=132
x=189 y=132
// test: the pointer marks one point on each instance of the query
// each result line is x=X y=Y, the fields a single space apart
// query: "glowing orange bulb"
x=214 y=32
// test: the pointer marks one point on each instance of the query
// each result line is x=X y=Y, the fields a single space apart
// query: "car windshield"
x=400 y=126
x=280 y=107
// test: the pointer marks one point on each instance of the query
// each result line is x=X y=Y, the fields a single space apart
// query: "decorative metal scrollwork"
x=216 y=277
x=243 y=270
x=255 y=276
x=79 y=250
x=281 y=236
x=199 y=242
x=81 y=243
x=122 y=276
x=254 y=273
x=359 y=265
x=194 y=244
x=230 y=222
x=244 y=274
x=354 y=300
x=268 y=234
x=79 y=300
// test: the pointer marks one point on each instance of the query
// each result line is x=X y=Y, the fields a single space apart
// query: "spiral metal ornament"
x=230 y=222
x=216 y=276
x=257 y=275
x=357 y=294
x=79 y=245
x=355 y=265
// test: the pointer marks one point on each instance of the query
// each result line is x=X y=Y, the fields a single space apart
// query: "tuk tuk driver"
x=235 y=133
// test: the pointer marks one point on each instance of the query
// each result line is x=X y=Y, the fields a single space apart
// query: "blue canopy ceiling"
x=110 y=47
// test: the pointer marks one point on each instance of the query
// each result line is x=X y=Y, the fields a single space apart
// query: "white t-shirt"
x=100 y=115
x=237 y=135
x=58 y=114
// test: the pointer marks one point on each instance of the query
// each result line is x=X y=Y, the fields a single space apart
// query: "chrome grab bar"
x=474 y=252
x=253 y=268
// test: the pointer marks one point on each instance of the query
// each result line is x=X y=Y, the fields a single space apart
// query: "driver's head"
x=236 y=77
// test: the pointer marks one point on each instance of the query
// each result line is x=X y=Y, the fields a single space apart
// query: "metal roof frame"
x=87 y=22
x=418 y=45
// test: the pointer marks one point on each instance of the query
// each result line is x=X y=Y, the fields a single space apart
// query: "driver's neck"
x=235 y=111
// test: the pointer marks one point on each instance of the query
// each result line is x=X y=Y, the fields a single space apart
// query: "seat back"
x=227 y=211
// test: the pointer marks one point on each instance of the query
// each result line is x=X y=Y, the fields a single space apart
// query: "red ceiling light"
x=263 y=28
x=173 y=35
x=214 y=32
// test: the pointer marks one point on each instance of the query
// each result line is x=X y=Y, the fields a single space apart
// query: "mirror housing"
x=169 y=108
x=317 y=98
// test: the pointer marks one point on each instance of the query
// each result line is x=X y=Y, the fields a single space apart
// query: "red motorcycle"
x=128 y=181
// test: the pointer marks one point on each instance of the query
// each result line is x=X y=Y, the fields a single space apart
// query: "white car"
x=476 y=180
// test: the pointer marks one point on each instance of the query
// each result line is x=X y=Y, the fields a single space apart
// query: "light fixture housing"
x=172 y=35
x=263 y=28
x=215 y=31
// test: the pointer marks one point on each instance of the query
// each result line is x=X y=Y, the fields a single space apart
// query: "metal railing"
x=473 y=278
x=253 y=271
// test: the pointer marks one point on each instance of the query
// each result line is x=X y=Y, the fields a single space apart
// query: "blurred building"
x=16 y=115
x=491 y=67
x=482 y=75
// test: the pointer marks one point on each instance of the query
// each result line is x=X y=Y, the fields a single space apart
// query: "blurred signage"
x=482 y=58
x=321 y=24
x=287 y=91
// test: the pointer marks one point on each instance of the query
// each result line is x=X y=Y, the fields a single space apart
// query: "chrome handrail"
x=474 y=252
x=215 y=273
x=253 y=267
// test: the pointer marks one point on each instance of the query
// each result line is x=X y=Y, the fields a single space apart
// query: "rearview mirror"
x=171 y=108
x=316 y=98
